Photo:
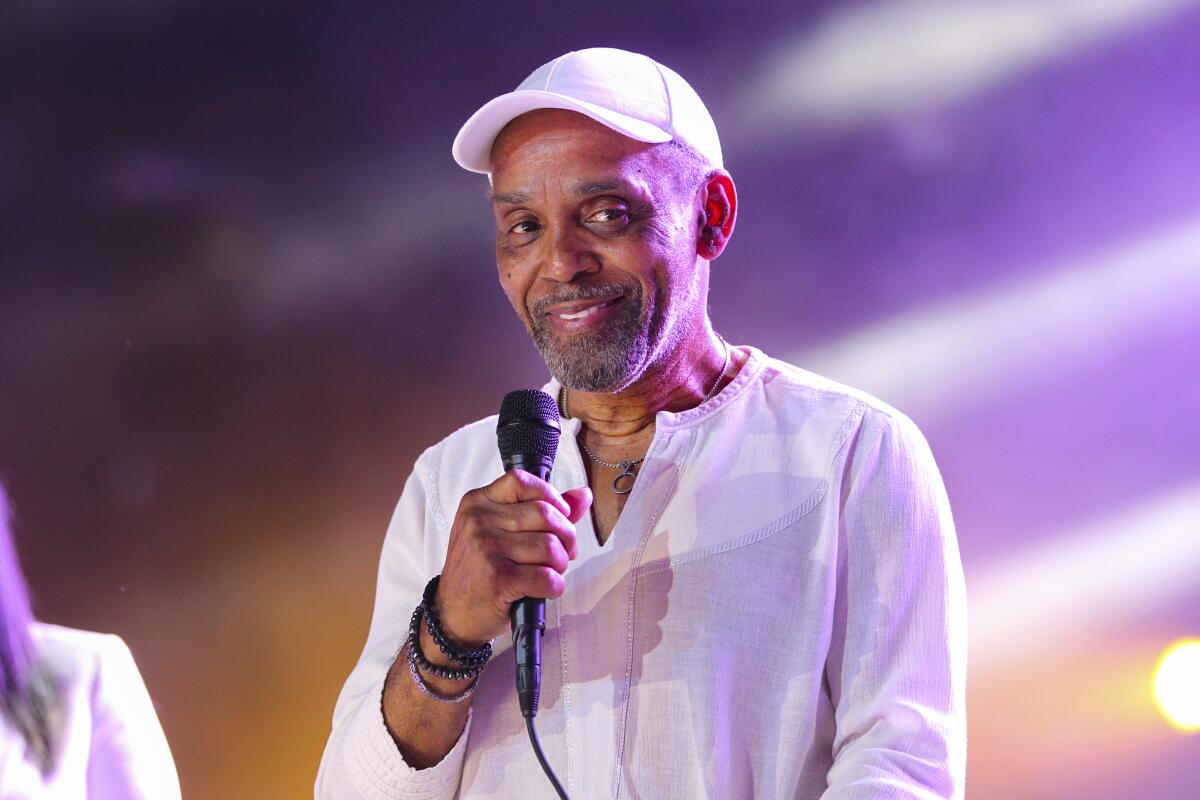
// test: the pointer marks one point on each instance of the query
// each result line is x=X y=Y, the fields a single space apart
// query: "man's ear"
x=718 y=202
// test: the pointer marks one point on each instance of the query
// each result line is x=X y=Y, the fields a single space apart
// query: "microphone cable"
x=541 y=757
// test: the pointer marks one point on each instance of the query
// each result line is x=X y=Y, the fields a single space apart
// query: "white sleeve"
x=897 y=662
x=361 y=762
x=129 y=758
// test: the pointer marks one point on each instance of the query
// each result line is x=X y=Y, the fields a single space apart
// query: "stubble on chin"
x=604 y=360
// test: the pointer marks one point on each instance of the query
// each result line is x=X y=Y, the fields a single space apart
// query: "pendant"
x=626 y=472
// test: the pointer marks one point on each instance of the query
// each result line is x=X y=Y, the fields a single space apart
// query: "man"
x=754 y=584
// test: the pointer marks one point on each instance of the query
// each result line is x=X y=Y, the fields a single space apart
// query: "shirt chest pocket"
x=736 y=513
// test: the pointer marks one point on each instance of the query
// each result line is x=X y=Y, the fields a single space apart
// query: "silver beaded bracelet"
x=411 y=657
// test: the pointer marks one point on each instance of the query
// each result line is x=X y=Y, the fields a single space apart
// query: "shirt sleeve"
x=129 y=758
x=361 y=762
x=897 y=662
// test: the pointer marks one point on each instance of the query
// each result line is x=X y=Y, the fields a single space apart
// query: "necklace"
x=626 y=468
x=623 y=482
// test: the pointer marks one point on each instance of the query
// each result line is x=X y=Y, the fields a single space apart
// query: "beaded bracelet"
x=459 y=655
x=414 y=647
x=427 y=690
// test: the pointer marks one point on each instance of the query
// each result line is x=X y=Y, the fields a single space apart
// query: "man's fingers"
x=540 y=516
x=519 y=486
x=538 y=548
x=580 y=500
x=529 y=580
x=510 y=539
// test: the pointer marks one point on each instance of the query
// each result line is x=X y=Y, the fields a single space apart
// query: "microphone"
x=527 y=435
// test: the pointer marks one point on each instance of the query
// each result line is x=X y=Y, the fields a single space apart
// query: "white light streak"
x=951 y=352
x=874 y=59
x=1085 y=581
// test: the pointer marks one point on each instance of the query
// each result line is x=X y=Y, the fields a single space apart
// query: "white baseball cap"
x=629 y=92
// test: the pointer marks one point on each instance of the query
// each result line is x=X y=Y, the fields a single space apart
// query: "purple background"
x=242 y=285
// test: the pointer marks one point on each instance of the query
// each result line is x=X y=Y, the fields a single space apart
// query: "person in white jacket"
x=76 y=721
x=754 y=583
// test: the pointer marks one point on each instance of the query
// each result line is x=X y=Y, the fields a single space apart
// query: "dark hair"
x=30 y=695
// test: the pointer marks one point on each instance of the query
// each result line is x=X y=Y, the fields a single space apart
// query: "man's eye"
x=523 y=227
x=611 y=214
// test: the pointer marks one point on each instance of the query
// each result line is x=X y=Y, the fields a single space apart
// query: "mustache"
x=575 y=293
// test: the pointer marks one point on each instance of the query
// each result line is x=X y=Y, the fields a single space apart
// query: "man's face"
x=596 y=247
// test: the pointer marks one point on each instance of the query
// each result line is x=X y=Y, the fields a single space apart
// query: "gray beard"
x=604 y=361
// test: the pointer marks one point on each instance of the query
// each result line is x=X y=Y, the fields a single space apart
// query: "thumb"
x=580 y=500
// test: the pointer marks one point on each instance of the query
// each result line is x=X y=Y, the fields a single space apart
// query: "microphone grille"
x=528 y=425
x=528 y=405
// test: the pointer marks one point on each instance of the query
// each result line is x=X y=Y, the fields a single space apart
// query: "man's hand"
x=510 y=539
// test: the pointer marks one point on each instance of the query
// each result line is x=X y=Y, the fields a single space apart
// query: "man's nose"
x=567 y=253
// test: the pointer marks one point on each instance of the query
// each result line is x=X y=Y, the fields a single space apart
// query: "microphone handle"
x=528 y=619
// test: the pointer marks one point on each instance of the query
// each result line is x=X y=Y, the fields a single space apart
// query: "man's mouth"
x=583 y=308
x=580 y=315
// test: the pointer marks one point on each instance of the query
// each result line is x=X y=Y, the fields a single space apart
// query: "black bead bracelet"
x=463 y=657
x=418 y=656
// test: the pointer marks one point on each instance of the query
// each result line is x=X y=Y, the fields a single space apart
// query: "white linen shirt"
x=779 y=612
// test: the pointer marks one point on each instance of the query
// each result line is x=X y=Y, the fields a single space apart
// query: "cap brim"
x=473 y=145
